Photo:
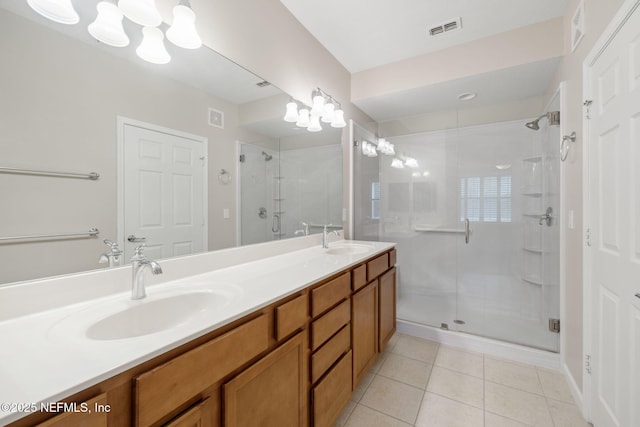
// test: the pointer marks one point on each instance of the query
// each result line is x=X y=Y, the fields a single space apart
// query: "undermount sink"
x=348 y=249
x=174 y=308
x=152 y=316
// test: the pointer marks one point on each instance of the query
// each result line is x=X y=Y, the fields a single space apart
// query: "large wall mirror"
x=195 y=150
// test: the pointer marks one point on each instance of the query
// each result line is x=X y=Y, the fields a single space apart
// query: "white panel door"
x=614 y=179
x=164 y=201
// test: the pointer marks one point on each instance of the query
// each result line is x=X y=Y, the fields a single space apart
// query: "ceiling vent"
x=446 y=27
x=263 y=83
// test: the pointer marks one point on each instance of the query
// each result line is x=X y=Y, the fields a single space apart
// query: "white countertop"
x=46 y=356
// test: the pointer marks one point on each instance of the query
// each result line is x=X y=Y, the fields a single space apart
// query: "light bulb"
x=338 y=119
x=303 y=118
x=142 y=12
x=291 y=115
x=329 y=113
x=410 y=162
x=397 y=163
x=152 y=47
x=183 y=30
x=314 y=124
x=317 y=108
x=107 y=27
x=60 y=11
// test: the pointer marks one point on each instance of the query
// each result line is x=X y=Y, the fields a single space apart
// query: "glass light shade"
x=291 y=115
x=411 y=162
x=60 y=11
x=152 y=47
x=338 y=119
x=329 y=113
x=397 y=163
x=303 y=118
x=317 y=108
x=107 y=27
x=183 y=30
x=142 y=12
x=314 y=124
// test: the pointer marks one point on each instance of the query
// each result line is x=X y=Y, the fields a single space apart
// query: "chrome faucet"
x=114 y=255
x=138 y=263
x=304 y=230
x=325 y=235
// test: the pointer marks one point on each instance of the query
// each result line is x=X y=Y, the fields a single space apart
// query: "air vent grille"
x=450 y=25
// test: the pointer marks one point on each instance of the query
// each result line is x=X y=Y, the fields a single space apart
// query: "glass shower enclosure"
x=476 y=251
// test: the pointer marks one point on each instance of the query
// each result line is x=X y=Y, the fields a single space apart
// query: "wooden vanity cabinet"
x=292 y=363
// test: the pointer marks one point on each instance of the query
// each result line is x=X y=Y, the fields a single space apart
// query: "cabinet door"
x=273 y=391
x=198 y=416
x=387 y=305
x=94 y=416
x=364 y=339
x=332 y=393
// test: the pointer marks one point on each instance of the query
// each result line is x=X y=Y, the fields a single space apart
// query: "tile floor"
x=420 y=383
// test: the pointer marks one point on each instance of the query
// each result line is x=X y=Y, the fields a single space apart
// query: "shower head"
x=552 y=116
x=267 y=157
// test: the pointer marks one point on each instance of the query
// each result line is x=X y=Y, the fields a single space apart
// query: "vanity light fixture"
x=385 y=147
x=291 y=115
x=107 y=27
x=410 y=162
x=183 y=32
x=152 y=48
x=325 y=108
x=369 y=149
x=142 y=12
x=60 y=11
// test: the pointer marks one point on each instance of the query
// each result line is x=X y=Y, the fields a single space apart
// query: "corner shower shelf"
x=533 y=250
x=533 y=280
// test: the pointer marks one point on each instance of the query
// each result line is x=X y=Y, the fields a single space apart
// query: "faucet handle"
x=138 y=250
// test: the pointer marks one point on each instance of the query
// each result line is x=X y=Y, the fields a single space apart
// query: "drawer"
x=322 y=359
x=323 y=328
x=291 y=316
x=377 y=266
x=166 y=387
x=326 y=296
x=359 y=277
x=392 y=257
x=332 y=393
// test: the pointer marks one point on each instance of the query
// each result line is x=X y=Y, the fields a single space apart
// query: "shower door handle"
x=467 y=231
x=275 y=225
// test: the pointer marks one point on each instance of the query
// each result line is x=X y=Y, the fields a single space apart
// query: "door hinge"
x=587 y=106
x=587 y=363
x=588 y=237
x=554 y=325
x=241 y=158
x=356 y=143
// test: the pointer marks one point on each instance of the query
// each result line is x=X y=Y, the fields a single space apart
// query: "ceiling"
x=366 y=34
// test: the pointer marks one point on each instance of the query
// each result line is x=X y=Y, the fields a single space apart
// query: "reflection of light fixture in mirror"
x=425 y=173
x=410 y=162
x=142 y=12
x=107 y=28
x=314 y=124
x=325 y=108
x=368 y=149
x=397 y=163
x=152 y=47
x=503 y=167
x=291 y=115
x=183 y=30
x=60 y=11
x=317 y=108
x=385 y=147
x=303 y=118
